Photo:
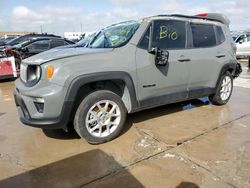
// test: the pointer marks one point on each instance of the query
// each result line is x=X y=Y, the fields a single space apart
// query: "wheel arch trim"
x=82 y=80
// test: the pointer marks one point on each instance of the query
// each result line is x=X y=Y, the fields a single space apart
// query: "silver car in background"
x=242 y=43
x=243 y=47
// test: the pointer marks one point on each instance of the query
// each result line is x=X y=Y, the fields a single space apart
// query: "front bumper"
x=54 y=115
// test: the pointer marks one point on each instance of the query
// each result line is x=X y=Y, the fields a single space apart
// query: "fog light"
x=39 y=107
x=39 y=104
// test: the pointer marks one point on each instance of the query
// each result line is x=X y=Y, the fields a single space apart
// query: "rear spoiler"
x=215 y=16
x=207 y=16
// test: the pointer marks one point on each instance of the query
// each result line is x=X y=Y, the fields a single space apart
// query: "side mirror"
x=153 y=51
x=25 y=49
x=241 y=41
x=161 y=56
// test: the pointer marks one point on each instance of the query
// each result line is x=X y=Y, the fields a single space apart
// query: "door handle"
x=183 y=59
x=221 y=55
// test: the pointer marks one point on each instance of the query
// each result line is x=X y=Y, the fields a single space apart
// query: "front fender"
x=81 y=80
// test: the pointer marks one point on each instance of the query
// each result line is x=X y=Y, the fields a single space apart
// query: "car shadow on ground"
x=76 y=171
x=93 y=169
x=135 y=117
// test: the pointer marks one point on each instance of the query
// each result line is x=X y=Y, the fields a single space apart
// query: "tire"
x=224 y=90
x=100 y=117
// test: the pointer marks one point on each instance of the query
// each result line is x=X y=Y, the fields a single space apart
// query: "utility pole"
x=41 y=28
x=81 y=27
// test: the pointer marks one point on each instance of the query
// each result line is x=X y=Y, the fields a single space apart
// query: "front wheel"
x=100 y=117
x=224 y=90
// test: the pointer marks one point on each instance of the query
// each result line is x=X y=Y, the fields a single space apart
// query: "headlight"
x=30 y=74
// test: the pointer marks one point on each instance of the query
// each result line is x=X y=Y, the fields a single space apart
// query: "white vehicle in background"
x=243 y=45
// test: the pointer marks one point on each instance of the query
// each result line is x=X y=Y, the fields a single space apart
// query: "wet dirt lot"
x=190 y=144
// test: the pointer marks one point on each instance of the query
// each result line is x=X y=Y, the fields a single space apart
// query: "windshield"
x=83 y=42
x=115 y=36
x=14 y=41
x=22 y=44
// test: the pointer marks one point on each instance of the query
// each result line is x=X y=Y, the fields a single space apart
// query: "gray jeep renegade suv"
x=127 y=67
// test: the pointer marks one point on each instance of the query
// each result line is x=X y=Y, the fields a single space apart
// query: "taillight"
x=202 y=14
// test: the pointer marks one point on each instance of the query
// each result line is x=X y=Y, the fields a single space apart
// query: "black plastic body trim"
x=103 y=76
x=228 y=66
x=175 y=97
x=60 y=122
x=155 y=101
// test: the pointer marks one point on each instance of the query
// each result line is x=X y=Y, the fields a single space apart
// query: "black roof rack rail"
x=206 y=16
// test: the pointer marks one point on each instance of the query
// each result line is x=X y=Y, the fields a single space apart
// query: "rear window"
x=203 y=35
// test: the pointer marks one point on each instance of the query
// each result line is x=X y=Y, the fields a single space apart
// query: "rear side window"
x=169 y=34
x=220 y=35
x=203 y=35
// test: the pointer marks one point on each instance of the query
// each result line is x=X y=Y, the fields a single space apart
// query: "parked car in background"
x=242 y=38
x=38 y=45
x=24 y=38
x=243 y=47
x=6 y=39
x=82 y=43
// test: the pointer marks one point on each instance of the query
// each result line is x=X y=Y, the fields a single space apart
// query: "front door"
x=163 y=84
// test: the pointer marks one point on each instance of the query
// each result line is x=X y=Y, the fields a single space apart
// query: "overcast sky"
x=58 y=16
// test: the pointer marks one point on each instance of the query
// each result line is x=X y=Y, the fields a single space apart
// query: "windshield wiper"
x=90 y=43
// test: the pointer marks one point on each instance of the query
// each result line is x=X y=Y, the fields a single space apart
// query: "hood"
x=67 y=46
x=63 y=53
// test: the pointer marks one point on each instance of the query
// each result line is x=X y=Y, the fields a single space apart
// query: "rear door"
x=207 y=57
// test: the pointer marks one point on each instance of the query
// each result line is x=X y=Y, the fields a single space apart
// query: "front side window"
x=169 y=34
x=116 y=35
x=39 y=45
x=243 y=38
x=203 y=35
x=240 y=39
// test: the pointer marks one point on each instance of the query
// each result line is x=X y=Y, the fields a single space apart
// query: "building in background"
x=73 y=35
x=5 y=34
x=76 y=36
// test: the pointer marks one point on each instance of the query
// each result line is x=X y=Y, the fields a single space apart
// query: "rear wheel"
x=100 y=117
x=224 y=90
